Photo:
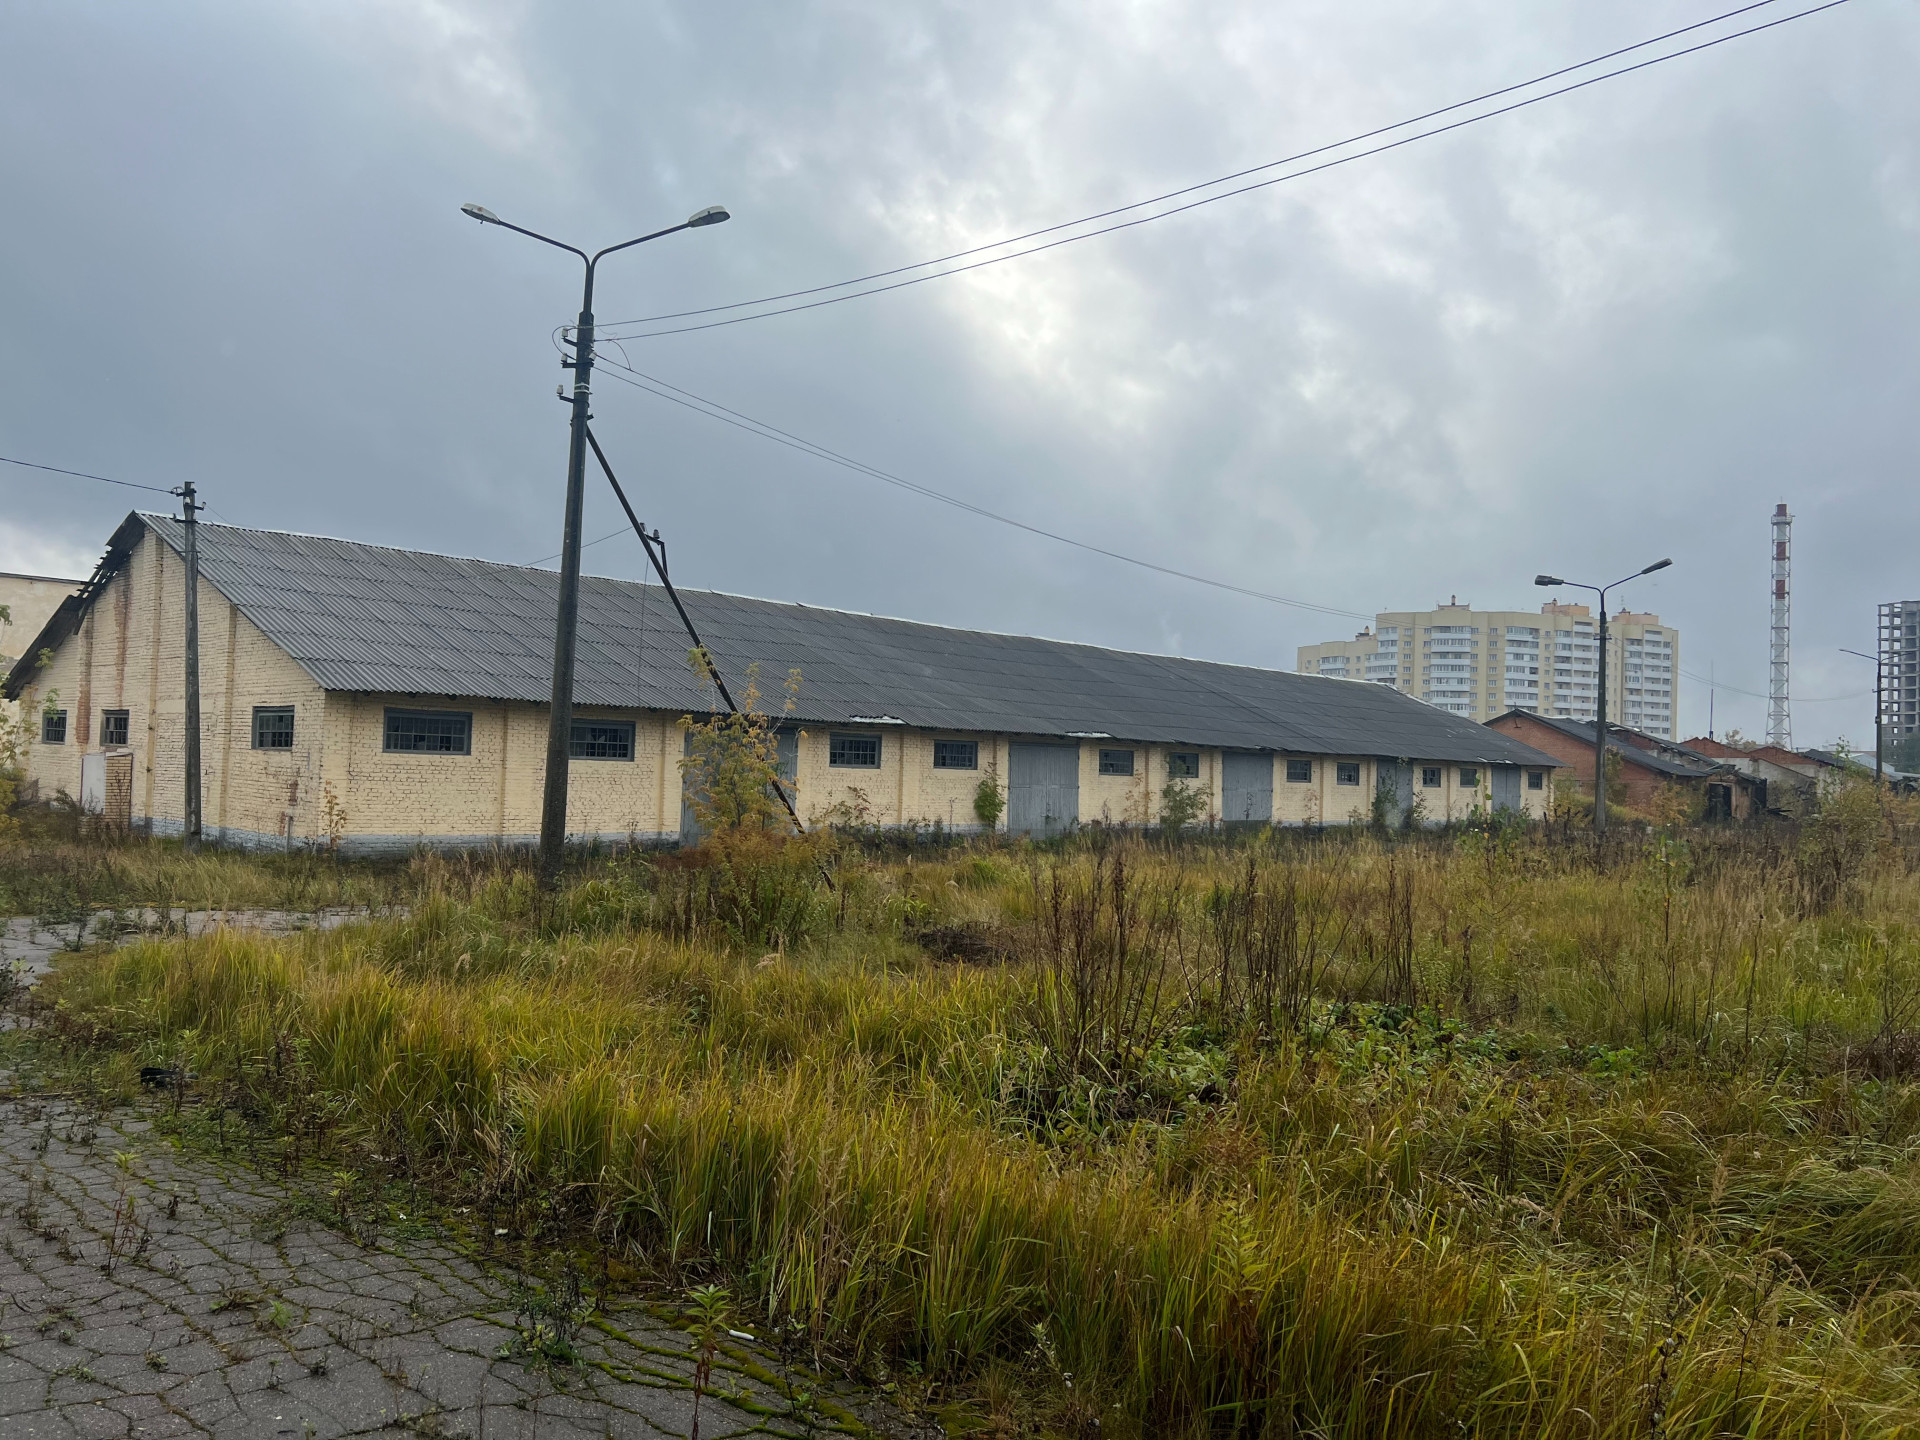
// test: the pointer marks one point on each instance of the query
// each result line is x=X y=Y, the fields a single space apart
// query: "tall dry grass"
x=1494 y=1136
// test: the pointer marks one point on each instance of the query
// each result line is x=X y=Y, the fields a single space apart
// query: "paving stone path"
x=145 y=1292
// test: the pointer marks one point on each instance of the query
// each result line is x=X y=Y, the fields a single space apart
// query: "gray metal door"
x=1043 y=788
x=1395 y=779
x=1247 y=788
x=93 y=783
x=1506 y=787
x=788 y=742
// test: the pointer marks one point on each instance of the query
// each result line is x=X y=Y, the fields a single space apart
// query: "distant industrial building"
x=1484 y=663
x=29 y=601
x=1648 y=766
x=376 y=699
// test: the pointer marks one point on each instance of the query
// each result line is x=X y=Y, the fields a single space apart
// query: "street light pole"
x=553 y=800
x=190 y=509
x=1600 y=710
x=1879 y=718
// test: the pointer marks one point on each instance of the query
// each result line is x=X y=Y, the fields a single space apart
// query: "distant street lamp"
x=1879 y=717
x=553 y=803
x=1600 y=717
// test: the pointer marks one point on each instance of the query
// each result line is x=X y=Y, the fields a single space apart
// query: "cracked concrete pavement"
x=149 y=1292
x=150 y=1295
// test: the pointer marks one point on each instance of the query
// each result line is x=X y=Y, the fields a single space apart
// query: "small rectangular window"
x=956 y=754
x=854 y=752
x=1536 y=779
x=436 y=732
x=113 y=727
x=1299 y=772
x=1346 y=772
x=53 y=727
x=1116 y=762
x=1183 y=765
x=1430 y=777
x=1469 y=778
x=273 y=727
x=602 y=740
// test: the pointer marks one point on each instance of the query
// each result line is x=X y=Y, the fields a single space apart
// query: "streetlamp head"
x=712 y=215
x=1656 y=565
x=480 y=213
x=1548 y=580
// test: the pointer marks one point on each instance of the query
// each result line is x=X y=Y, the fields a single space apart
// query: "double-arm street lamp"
x=1879 y=717
x=553 y=803
x=1600 y=714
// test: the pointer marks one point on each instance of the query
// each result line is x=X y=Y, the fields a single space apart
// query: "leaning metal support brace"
x=660 y=568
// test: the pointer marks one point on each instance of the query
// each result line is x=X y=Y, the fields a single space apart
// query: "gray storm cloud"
x=1614 y=326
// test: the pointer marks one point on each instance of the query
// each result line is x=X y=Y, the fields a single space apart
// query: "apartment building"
x=1900 y=669
x=1483 y=663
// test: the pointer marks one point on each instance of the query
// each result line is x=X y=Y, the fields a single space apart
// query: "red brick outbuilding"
x=1648 y=765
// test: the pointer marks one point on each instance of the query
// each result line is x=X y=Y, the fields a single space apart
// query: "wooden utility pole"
x=189 y=512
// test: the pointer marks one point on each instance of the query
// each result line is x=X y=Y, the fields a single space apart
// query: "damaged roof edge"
x=66 y=618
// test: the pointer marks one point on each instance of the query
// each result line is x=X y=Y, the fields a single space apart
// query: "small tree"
x=13 y=749
x=989 y=800
x=1181 y=803
x=732 y=766
x=1616 y=778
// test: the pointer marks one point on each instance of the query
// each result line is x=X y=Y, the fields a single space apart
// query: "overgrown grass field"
x=1489 y=1134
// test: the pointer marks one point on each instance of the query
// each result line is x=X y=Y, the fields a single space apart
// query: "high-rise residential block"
x=1900 y=669
x=1483 y=663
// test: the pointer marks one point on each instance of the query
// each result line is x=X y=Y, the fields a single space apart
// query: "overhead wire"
x=1757 y=695
x=1203 y=184
x=713 y=410
x=764 y=314
x=83 y=475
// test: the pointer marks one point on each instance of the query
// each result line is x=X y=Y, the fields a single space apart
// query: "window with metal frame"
x=1299 y=772
x=1469 y=778
x=601 y=740
x=1116 y=762
x=113 y=727
x=1430 y=777
x=273 y=727
x=1536 y=779
x=1346 y=772
x=1183 y=765
x=53 y=727
x=433 y=732
x=955 y=755
x=853 y=752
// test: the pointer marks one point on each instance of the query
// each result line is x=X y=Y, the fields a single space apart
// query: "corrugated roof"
x=372 y=619
x=1687 y=763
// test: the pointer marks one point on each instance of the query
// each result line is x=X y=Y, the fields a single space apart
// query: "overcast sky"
x=1613 y=326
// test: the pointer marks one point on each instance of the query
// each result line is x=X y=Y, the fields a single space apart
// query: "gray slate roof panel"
x=372 y=619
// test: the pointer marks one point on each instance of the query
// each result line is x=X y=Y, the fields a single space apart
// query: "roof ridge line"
x=170 y=521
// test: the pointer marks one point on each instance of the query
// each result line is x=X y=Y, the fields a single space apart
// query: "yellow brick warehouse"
x=322 y=661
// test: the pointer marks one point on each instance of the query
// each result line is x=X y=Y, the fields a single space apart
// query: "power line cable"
x=83 y=475
x=1757 y=695
x=713 y=410
x=1204 y=184
x=1192 y=204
